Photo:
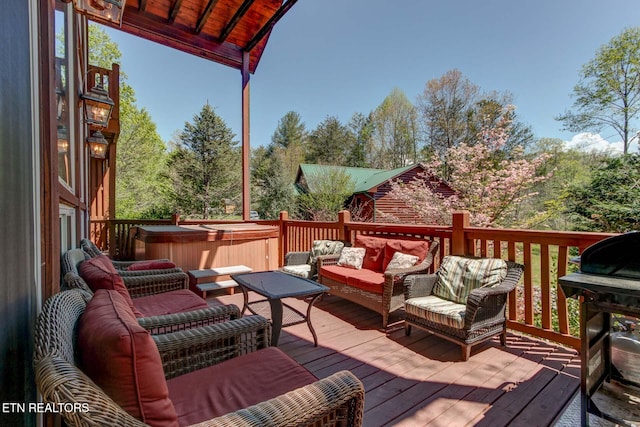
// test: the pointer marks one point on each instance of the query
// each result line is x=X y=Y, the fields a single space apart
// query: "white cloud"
x=594 y=142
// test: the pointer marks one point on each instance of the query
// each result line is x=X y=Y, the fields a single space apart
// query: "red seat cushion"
x=122 y=359
x=374 y=254
x=99 y=273
x=235 y=384
x=418 y=248
x=367 y=280
x=169 y=303
x=151 y=265
x=337 y=272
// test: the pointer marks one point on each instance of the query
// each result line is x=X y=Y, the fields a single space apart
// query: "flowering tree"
x=488 y=182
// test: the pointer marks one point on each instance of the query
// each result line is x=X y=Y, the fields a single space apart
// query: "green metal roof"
x=363 y=178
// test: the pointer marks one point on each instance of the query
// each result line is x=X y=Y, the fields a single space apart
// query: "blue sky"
x=339 y=57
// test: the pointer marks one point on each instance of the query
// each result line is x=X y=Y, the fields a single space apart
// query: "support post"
x=246 y=147
x=459 y=223
x=343 y=218
x=284 y=237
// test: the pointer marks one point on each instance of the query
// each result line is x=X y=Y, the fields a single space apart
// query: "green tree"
x=272 y=188
x=360 y=154
x=608 y=94
x=141 y=184
x=288 y=143
x=454 y=111
x=326 y=195
x=567 y=169
x=395 y=124
x=330 y=143
x=205 y=166
x=611 y=201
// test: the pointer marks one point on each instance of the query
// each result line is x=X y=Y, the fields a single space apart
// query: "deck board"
x=420 y=380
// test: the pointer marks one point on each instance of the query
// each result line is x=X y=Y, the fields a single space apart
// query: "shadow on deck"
x=420 y=380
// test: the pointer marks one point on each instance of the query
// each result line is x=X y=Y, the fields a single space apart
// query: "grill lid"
x=617 y=256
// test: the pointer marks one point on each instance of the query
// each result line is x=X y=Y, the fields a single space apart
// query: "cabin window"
x=65 y=135
x=67 y=228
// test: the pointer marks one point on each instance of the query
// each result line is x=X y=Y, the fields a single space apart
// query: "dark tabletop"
x=275 y=284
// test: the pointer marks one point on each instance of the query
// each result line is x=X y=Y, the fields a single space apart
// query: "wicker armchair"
x=392 y=297
x=304 y=263
x=336 y=400
x=138 y=283
x=484 y=313
x=93 y=251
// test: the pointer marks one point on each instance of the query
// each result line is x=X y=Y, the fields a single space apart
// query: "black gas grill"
x=608 y=283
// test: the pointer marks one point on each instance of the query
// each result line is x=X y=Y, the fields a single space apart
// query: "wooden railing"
x=538 y=307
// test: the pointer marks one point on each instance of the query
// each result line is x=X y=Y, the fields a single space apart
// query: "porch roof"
x=218 y=30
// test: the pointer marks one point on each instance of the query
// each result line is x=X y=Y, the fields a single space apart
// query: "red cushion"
x=337 y=272
x=367 y=280
x=151 y=265
x=235 y=384
x=99 y=273
x=418 y=248
x=374 y=254
x=169 y=303
x=121 y=358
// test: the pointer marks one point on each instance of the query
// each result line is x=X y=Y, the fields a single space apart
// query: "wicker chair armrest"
x=134 y=273
x=296 y=258
x=143 y=285
x=123 y=265
x=488 y=304
x=192 y=349
x=423 y=267
x=61 y=382
x=190 y=319
x=419 y=285
x=72 y=280
x=327 y=260
x=337 y=397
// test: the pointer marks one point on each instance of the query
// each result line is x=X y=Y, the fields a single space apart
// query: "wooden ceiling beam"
x=181 y=37
x=269 y=25
x=174 y=11
x=242 y=10
x=205 y=15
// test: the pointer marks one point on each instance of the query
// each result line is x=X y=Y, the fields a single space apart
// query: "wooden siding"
x=420 y=380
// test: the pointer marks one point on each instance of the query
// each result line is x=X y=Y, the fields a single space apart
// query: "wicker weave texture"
x=337 y=400
x=392 y=297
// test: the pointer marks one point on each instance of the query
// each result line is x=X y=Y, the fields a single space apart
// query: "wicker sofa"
x=373 y=285
x=195 y=374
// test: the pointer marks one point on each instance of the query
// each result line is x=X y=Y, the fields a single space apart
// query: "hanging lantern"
x=97 y=145
x=104 y=11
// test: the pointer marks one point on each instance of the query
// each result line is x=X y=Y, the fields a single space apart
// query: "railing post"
x=460 y=222
x=111 y=238
x=284 y=237
x=343 y=218
x=175 y=218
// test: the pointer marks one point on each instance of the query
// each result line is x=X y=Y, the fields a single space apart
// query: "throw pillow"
x=374 y=254
x=120 y=356
x=400 y=260
x=151 y=265
x=352 y=258
x=419 y=248
x=322 y=247
x=99 y=273
x=458 y=276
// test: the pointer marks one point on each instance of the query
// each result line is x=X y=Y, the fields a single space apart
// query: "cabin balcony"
x=420 y=379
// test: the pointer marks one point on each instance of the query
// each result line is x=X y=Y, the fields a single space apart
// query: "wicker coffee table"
x=275 y=285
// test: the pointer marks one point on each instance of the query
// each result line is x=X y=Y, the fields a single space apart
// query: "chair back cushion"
x=418 y=248
x=151 y=265
x=374 y=254
x=322 y=247
x=120 y=356
x=99 y=273
x=458 y=276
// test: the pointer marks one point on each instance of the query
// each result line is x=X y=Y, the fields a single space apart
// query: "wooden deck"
x=420 y=380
